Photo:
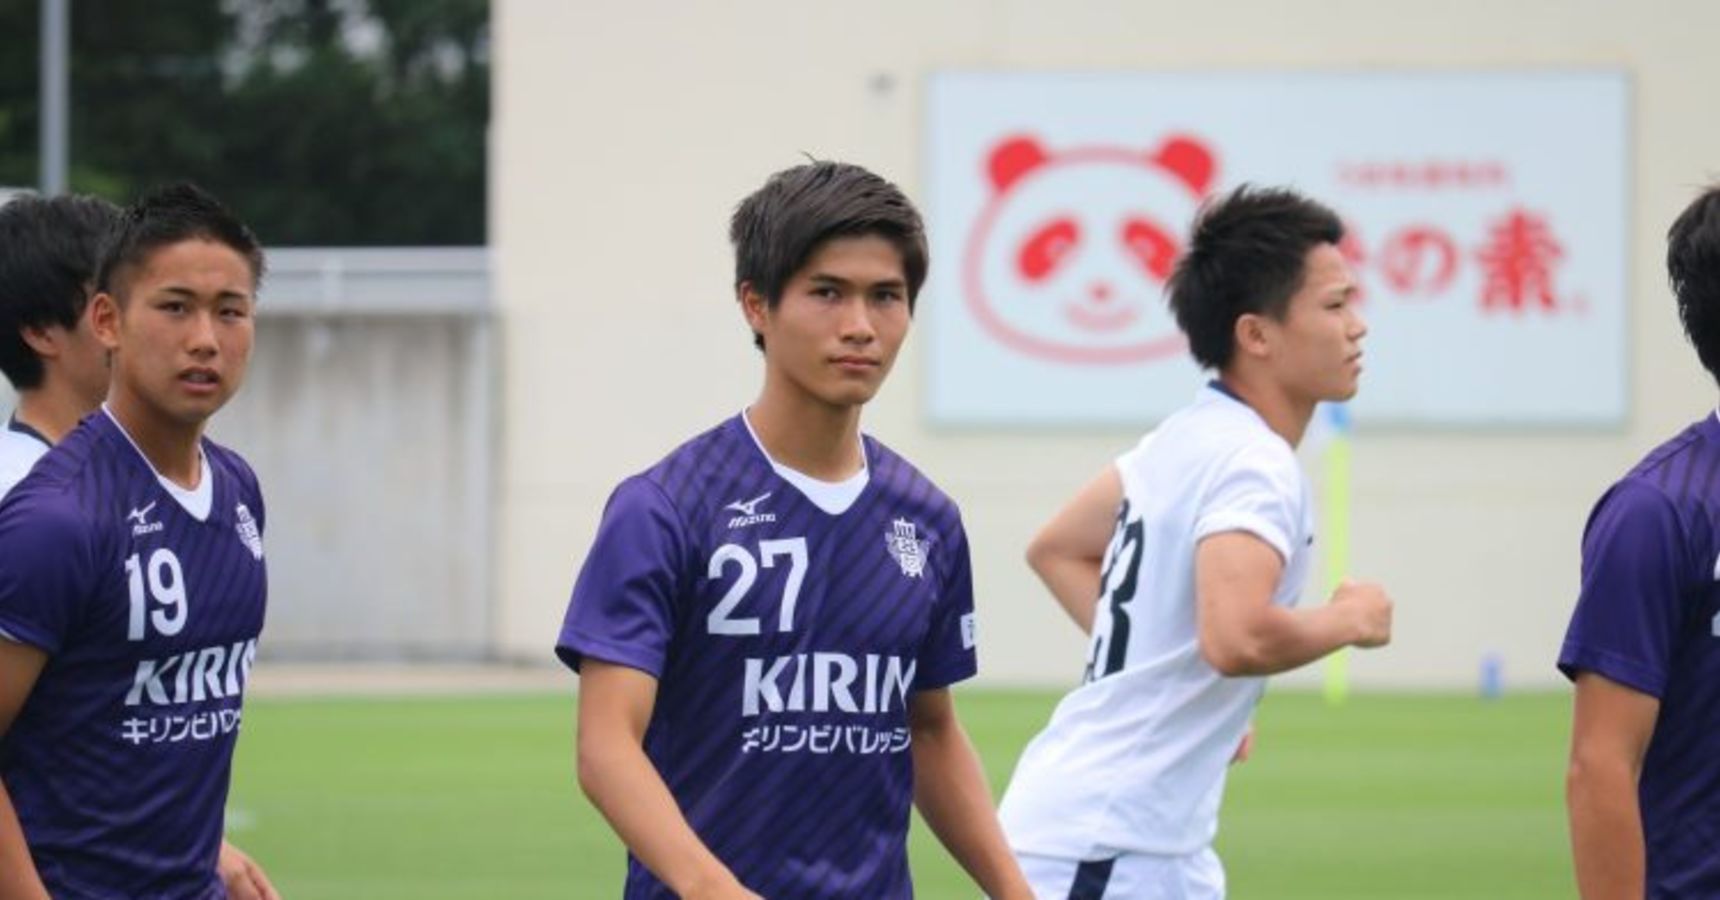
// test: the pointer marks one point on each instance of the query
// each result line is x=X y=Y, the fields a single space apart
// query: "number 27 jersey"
x=787 y=641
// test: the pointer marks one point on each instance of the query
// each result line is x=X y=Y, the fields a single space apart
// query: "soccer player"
x=1643 y=788
x=132 y=584
x=55 y=363
x=1184 y=560
x=769 y=620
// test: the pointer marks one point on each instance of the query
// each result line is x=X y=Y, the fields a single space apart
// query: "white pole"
x=55 y=91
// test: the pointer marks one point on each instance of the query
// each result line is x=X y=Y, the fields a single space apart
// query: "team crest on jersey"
x=248 y=532
x=906 y=547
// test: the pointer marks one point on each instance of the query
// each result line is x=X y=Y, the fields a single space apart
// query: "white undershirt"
x=196 y=501
x=834 y=497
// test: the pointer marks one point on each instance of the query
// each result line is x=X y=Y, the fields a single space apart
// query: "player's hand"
x=1369 y=609
x=242 y=877
x=1244 y=748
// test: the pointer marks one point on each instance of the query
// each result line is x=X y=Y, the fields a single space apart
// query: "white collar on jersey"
x=834 y=497
x=197 y=501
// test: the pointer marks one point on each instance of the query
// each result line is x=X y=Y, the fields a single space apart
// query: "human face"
x=833 y=336
x=181 y=335
x=74 y=359
x=1316 y=348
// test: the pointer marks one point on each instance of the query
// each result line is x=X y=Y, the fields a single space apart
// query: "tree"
x=333 y=122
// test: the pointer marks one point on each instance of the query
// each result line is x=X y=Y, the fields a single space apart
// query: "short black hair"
x=1693 y=267
x=1246 y=254
x=169 y=215
x=781 y=225
x=49 y=249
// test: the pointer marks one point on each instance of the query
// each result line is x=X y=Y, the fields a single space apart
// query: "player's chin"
x=853 y=393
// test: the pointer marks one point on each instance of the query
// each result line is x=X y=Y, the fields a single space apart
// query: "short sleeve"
x=46 y=565
x=1635 y=570
x=623 y=608
x=950 y=652
x=1257 y=490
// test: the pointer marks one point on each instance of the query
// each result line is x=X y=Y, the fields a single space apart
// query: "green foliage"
x=318 y=124
x=1400 y=796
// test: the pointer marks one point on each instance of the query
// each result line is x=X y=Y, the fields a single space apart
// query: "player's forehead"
x=863 y=259
x=1325 y=273
x=193 y=265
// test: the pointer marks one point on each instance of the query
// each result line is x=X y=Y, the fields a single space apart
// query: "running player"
x=1184 y=560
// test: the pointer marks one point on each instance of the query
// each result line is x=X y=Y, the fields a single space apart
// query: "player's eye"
x=1041 y=253
x=1150 y=246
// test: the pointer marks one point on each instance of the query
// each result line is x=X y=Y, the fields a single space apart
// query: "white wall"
x=624 y=133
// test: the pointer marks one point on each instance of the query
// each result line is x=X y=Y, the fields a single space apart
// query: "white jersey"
x=1134 y=760
x=20 y=447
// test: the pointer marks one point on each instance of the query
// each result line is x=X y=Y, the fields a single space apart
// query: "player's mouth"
x=200 y=380
x=857 y=365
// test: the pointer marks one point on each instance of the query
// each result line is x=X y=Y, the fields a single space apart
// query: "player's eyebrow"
x=190 y=294
x=837 y=281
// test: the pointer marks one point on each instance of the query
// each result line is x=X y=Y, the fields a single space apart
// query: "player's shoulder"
x=70 y=476
x=229 y=464
x=1682 y=466
x=903 y=481
x=697 y=474
x=18 y=452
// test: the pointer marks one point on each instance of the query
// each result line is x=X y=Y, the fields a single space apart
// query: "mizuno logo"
x=139 y=525
x=749 y=514
x=749 y=507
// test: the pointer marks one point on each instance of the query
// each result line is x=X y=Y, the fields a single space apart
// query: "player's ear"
x=40 y=340
x=1251 y=336
x=754 y=305
x=104 y=319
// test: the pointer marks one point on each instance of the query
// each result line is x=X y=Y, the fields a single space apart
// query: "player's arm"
x=20 y=665
x=242 y=877
x=615 y=704
x=1609 y=735
x=1068 y=552
x=953 y=797
x=1242 y=632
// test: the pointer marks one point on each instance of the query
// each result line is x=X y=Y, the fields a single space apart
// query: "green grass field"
x=1391 y=796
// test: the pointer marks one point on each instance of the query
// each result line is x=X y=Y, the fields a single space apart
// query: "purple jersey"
x=786 y=641
x=118 y=762
x=1649 y=618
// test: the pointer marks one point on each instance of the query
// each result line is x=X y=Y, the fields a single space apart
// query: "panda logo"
x=1068 y=260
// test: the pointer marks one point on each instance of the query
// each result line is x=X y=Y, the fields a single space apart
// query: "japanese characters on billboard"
x=1486 y=217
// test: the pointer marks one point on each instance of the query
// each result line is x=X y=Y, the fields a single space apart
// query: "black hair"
x=1693 y=266
x=169 y=215
x=1246 y=254
x=49 y=249
x=781 y=225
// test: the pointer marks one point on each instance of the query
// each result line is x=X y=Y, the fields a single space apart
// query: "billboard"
x=1486 y=214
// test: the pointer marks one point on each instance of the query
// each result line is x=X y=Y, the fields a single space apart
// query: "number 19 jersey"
x=787 y=638
x=149 y=614
x=1134 y=759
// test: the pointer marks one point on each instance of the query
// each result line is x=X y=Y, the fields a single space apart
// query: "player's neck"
x=1283 y=412
x=808 y=436
x=171 y=447
x=53 y=409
